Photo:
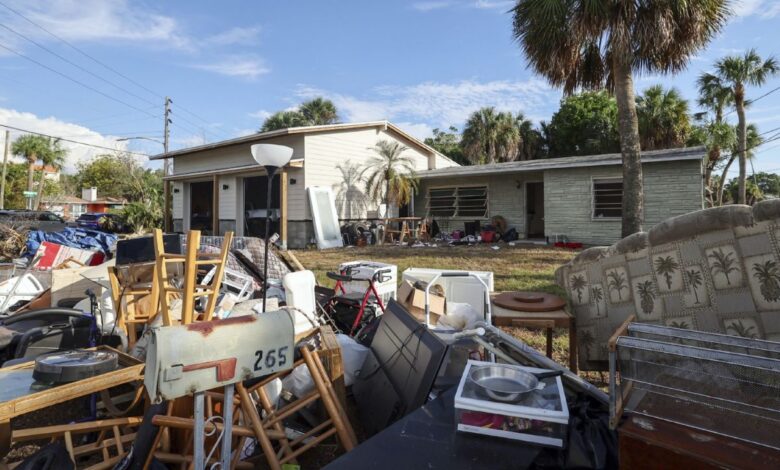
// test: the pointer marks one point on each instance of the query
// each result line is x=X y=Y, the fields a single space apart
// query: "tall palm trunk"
x=722 y=182
x=41 y=184
x=629 y=147
x=713 y=156
x=31 y=171
x=739 y=102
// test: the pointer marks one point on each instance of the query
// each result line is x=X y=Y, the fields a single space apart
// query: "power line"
x=75 y=80
x=72 y=141
x=102 y=64
x=65 y=59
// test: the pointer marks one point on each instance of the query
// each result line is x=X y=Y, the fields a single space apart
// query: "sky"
x=227 y=65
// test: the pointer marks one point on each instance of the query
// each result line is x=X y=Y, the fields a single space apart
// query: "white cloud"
x=244 y=132
x=98 y=20
x=260 y=114
x=56 y=127
x=416 y=129
x=235 y=36
x=442 y=104
x=249 y=67
x=764 y=8
x=429 y=6
x=500 y=4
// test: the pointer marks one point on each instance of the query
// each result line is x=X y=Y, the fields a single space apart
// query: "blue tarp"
x=72 y=237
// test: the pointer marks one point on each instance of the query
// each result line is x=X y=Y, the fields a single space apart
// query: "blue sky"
x=229 y=64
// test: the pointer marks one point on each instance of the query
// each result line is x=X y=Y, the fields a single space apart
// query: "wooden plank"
x=620 y=332
x=30 y=434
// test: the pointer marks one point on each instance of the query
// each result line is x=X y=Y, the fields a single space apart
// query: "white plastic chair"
x=299 y=293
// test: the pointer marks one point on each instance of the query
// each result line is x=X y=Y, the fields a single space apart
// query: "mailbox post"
x=191 y=359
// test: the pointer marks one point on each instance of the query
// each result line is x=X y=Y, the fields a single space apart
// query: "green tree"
x=768 y=183
x=448 y=143
x=663 y=116
x=31 y=147
x=490 y=136
x=54 y=157
x=390 y=175
x=318 y=111
x=714 y=97
x=753 y=140
x=119 y=175
x=753 y=192
x=585 y=124
x=531 y=145
x=596 y=44
x=736 y=72
x=15 y=180
x=315 y=112
x=283 y=120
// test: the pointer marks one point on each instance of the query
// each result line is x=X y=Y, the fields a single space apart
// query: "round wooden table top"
x=529 y=301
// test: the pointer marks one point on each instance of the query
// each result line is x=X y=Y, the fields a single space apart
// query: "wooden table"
x=130 y=370
x=548 y=320
x=409 y=227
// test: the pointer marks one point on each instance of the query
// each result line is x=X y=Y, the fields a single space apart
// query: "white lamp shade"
x=272 y=154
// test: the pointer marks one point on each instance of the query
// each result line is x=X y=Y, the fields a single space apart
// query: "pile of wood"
x=13 y=239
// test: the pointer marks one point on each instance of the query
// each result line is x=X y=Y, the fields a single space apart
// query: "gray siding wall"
x=504 y=199
x=671 y=188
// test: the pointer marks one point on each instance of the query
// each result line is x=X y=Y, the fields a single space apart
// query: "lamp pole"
x=271 y=157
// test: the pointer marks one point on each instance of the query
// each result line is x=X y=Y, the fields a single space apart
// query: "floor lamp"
x=271 y=157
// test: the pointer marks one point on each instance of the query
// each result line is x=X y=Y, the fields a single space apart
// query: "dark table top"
x=428 y=438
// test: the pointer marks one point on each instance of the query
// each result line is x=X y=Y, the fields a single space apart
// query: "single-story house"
x=218 y=187
x=576 y=197
x=67 y=207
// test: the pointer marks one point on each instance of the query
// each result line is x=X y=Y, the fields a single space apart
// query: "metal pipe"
x=198 y=435
x=227 y=419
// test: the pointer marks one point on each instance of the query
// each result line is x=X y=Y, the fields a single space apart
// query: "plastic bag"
x=459 y=316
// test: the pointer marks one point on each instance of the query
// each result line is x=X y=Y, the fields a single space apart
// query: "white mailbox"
x=187 y=359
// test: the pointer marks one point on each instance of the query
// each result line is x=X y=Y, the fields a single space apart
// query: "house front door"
x=534 y=209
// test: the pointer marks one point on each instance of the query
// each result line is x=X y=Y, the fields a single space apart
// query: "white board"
x=325 y=218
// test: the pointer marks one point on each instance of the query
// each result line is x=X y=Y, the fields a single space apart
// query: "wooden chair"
x=190 y=290
x=135 y=294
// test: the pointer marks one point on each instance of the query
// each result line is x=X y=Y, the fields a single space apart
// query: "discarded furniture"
x=299 y=293
x=427 y=438
x=324 y=217
x=456 y=289
x=537 y=310
x=400 y=370
x=189 y=290
x=136 y=296
x=707 y=382
x=29 y=334
x=408 y=229
x=355 y=308
x=17 y=398
x=712 y=270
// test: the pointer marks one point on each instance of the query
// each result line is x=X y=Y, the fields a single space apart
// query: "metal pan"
x=505 y=383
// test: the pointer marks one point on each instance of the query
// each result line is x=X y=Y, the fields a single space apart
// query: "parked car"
x=110 y=222
x=34 y=220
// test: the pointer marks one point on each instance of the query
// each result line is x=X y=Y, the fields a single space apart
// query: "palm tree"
x=663 y=116
x=578 y=283
x=586 y=342
x=490 y=136
x=740 y=329
x=647 y=295
x=318 y=111
x=349 y=197
x=736 y=72
x=283 y=120
x=723 y=263
x=530 y=145
x=714 y=96
x=31 y=147
x=390 y=174
x=596 y=44
x=679 y=324
x=666 y=266
x=768 y=276
x=598 y=296
x=54 y=157
x=617 y=282
x=754 y=139
x=695 y=281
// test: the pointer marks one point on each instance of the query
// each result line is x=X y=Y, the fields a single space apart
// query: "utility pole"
x=167 y=215
x=5 y=168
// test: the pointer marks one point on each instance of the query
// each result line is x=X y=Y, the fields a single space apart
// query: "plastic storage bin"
x=541 y=417
x=366 y=269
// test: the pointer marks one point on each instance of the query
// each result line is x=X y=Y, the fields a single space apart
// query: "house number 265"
x=271 y=358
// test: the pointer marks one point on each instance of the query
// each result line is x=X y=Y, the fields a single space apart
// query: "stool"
x=536 y=310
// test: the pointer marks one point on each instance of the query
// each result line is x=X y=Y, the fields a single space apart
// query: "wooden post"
x=215 y=209
x=283 y=177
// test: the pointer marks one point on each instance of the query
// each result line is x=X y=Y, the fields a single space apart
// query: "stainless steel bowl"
x=506 y=383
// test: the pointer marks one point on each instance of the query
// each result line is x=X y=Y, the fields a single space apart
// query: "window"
x=471 y=201
x=607 y=198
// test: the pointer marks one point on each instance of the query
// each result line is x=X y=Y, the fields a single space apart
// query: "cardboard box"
x=414 y=301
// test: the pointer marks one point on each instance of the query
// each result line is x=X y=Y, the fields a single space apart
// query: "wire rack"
x=711 y=388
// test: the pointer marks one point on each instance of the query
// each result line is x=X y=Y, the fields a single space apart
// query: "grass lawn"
x=514 y=268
